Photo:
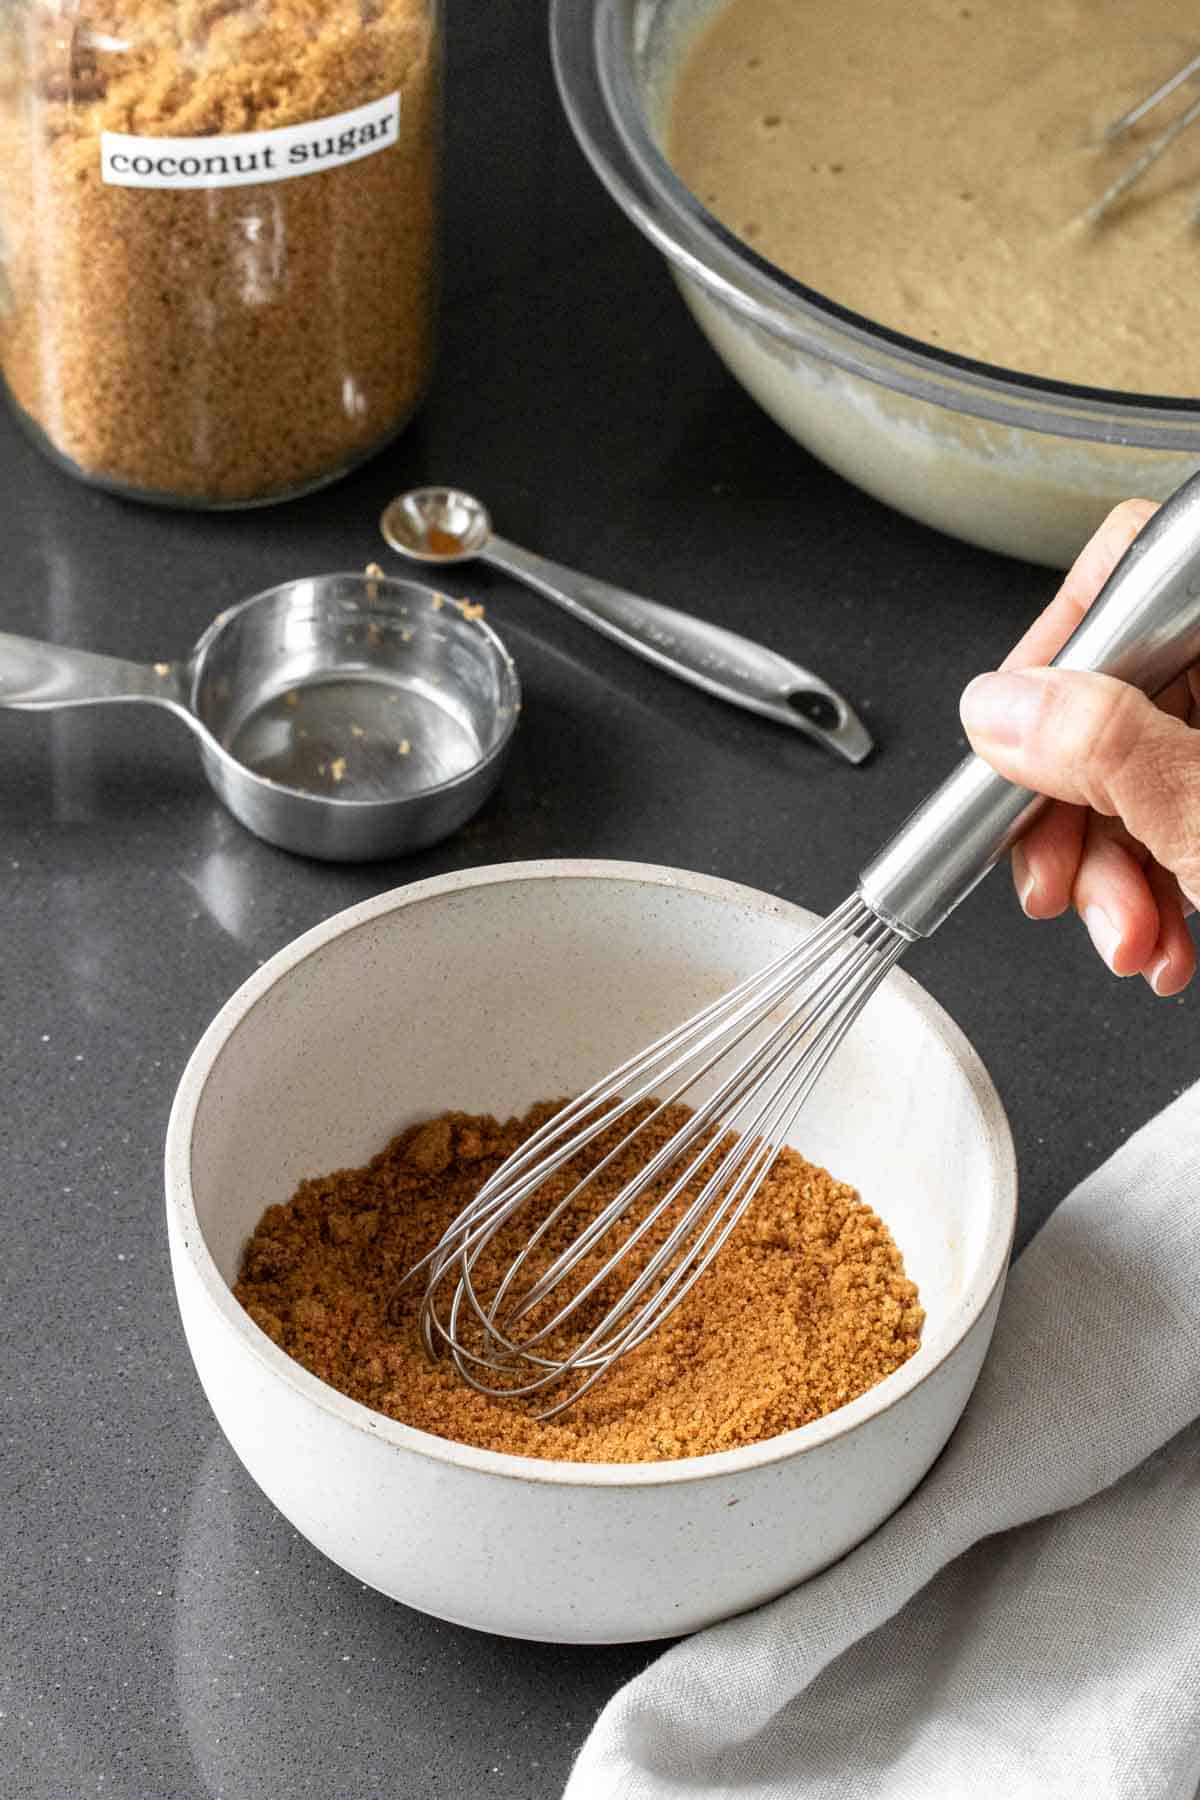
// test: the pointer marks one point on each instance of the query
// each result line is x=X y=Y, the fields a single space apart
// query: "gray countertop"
x=165 y=1632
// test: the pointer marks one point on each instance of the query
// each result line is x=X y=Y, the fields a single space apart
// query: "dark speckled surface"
x=165 y=1633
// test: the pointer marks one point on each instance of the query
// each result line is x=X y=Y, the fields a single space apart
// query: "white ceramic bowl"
x=487 y=990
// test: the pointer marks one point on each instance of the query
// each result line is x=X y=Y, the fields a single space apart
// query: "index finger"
x=1088 y=574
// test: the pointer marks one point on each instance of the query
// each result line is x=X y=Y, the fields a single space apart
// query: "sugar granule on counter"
x=806 y=1307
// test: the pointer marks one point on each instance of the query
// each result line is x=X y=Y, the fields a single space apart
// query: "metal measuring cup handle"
x=35 y=677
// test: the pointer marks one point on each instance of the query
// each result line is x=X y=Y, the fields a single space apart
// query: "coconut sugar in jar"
x=218 y=236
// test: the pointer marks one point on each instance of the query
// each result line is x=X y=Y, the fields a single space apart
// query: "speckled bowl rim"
x=990 y=1272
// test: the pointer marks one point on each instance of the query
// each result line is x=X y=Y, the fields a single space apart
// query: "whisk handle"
x=1144 y=628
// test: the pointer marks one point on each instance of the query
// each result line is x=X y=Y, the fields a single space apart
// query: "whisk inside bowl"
x=1156 y=148
x=527 y=1288
x=743 y=1068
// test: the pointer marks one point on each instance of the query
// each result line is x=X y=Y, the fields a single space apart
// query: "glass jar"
x=218 y=236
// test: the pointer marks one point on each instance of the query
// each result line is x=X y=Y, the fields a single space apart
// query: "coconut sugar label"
x=243 y=159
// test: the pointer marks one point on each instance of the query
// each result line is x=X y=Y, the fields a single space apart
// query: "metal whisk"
x=519 y=1315
x=1158 y=146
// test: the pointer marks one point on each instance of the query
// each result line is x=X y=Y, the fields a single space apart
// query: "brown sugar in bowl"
x=498 y=985
x=806 y=1307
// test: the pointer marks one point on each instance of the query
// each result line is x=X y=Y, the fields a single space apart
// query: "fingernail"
x=1025 y=879
x=1158 y=976
x=1002 y=707
x=1103 y=933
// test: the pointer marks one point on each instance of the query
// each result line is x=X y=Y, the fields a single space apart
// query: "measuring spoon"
x=346 y=717
x=445 y=525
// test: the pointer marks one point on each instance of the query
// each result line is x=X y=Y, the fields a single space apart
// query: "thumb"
x=1096 y=742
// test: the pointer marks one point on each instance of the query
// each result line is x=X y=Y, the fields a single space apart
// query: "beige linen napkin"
x=1057 y=1660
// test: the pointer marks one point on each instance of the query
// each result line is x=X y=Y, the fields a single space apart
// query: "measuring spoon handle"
x=733 y=668
x=36 y=677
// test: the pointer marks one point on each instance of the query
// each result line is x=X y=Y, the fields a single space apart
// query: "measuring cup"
x=347 y=717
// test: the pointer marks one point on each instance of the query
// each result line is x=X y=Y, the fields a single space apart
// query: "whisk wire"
x=504 y=1193
x=725 y=1100
x=756 y=1067
x=767 y=1041
x=1156 y=148
x=763 y=1151
x=1163 y=91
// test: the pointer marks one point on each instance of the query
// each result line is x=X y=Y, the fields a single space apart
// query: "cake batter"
x=929 y=164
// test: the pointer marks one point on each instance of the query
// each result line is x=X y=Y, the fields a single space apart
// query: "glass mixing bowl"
x=1009 y=461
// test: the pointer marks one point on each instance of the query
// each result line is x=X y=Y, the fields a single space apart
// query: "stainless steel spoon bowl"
x=347 y=717
x=446 y=525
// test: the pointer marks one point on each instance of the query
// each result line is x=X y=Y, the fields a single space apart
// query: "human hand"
x=1123 y=844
